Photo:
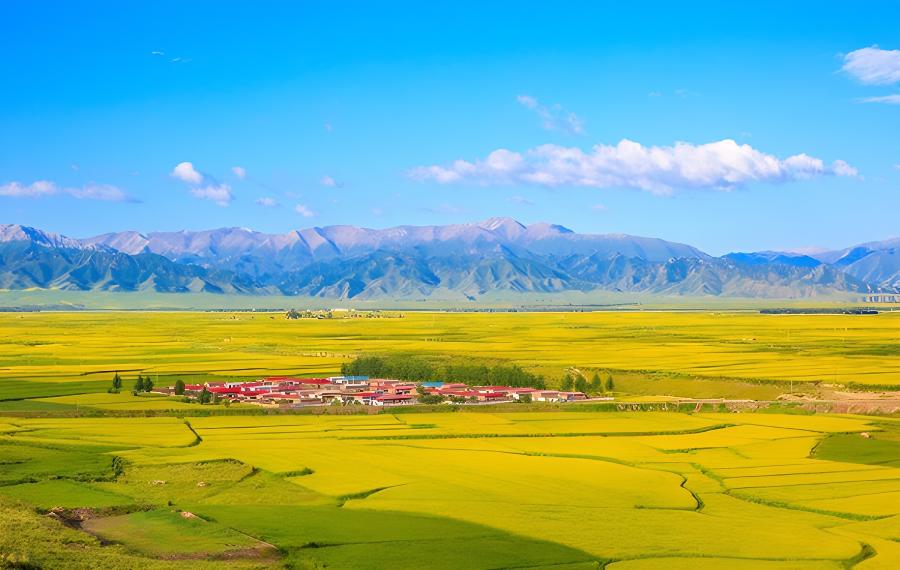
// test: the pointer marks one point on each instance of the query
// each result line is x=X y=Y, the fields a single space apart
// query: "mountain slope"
x=463 y=261
x=24 y=265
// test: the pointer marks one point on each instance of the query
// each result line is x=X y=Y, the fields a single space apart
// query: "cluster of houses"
x=289 y=391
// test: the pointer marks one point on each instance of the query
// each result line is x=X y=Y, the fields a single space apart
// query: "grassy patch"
x=168 y=533
x=879 y=448
x=65 y=493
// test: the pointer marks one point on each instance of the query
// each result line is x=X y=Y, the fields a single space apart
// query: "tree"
x=431 y=399
x=293 y=314
x=596 y=384
x=148 y=384
x=609 y=383
x=139 y=384
x=581 y=385
x=116 y=384
x=179 y=387
x=205 y=396
x=525 y=399
x=567 y=384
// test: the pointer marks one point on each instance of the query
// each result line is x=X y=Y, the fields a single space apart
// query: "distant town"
x=285 y=391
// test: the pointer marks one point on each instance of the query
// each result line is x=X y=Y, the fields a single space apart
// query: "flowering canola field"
x=478 y=489
x=47 y=349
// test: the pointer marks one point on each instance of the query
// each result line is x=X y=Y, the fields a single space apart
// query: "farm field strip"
x=831 y=348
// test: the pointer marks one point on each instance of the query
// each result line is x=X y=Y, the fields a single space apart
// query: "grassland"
x=467 y=489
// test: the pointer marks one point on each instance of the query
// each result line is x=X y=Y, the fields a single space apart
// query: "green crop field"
x=92 y=479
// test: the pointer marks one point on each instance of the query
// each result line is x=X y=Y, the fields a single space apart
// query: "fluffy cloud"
x=721 y=165
x=36 y=189
x=554 y=117
x=185 y=171
x=329 y=182
x=841 y=168
x=873 y=65
x=239 y=171
x=304 y=211
x=213 y=190
x=43 y=188
x=267 y=202
x=219 y=193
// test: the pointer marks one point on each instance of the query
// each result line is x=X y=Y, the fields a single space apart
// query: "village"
x=285 y=391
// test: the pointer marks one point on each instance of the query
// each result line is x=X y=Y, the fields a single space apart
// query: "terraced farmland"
x=465 y=489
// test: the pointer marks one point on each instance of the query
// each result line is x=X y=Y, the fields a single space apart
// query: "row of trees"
x=145 y=384
x=419 y=370
x=579 y=383
x=142 y=384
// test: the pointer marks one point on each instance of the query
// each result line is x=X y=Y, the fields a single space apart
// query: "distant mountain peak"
x=507 y=227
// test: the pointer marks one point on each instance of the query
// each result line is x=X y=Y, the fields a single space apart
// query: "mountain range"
x=464 y=261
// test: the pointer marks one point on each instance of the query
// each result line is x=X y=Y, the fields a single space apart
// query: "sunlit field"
x=566 y=487
x=484 y=490
x=49 y=348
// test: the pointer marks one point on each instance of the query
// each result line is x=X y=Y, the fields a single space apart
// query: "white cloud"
x=219 y=193
x=304 y=211
x=527 y=101
x=157 y=53
x=329 y=182
x=239 y=171
x=36 y=189
x=841 y=168
x=267 y=202
x=521 y=201
x=599 y=208
x=43 y=188
x=873 y=65
x=887 y=99
x=721 y=165
x=105 y=192
x=554 y=117
x=185 y=171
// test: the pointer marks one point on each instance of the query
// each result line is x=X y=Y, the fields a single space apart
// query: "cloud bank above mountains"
x=661 y=170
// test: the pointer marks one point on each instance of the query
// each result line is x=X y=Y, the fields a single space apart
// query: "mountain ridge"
x=468 y=260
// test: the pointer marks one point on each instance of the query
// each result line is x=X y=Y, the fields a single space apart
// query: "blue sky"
x=351 y=113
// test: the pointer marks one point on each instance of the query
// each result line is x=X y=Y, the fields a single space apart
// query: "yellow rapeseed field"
x=861 y=349
x=634 y=488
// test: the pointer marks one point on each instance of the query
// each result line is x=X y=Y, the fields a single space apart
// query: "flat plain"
x=46 y=349
x=574 y=487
